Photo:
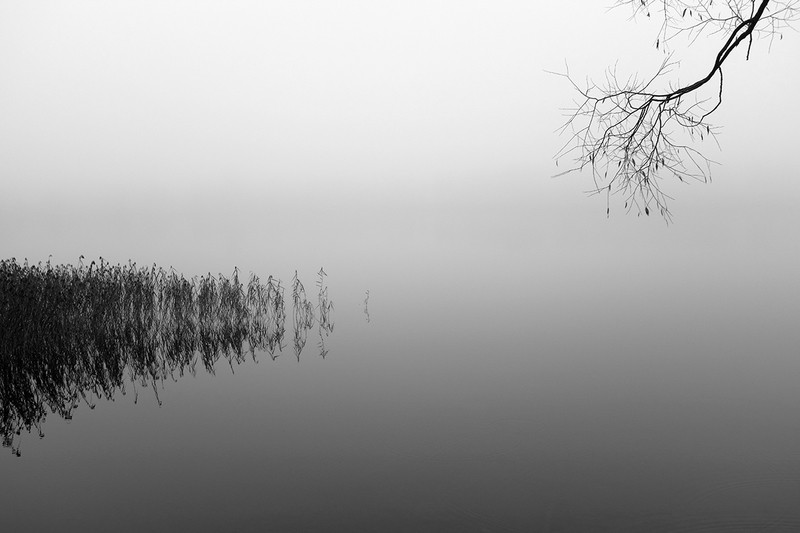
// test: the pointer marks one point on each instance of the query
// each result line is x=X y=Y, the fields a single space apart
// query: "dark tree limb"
x=631 y=134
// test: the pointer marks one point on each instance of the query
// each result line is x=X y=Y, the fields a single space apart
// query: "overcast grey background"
x=528 y=363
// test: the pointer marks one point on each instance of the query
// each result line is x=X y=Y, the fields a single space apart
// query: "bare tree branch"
x=632 y=134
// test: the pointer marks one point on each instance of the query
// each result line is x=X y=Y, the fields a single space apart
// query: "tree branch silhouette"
x=631 y=134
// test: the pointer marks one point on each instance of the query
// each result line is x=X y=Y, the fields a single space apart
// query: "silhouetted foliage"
x=634 y=132
x=73 y=334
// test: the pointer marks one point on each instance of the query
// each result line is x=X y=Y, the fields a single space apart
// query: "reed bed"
x=73 y=334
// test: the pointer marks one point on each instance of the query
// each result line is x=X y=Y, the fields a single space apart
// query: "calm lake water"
x=507 y=375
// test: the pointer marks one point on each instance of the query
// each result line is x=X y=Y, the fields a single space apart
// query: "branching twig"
x=632 y=134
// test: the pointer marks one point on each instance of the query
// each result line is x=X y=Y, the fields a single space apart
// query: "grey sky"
x=167 y=109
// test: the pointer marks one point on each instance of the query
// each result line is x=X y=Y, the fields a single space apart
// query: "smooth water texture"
x=479 y=386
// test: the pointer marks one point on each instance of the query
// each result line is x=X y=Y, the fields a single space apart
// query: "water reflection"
x=75 y=334
x=306 y=314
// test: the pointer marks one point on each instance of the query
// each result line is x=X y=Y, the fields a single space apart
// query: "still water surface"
x=496 y=381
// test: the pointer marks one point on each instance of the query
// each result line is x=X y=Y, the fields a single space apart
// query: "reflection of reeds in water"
x=71 y=334
x=325 y=307
x=266 y=322
x=306 y=315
